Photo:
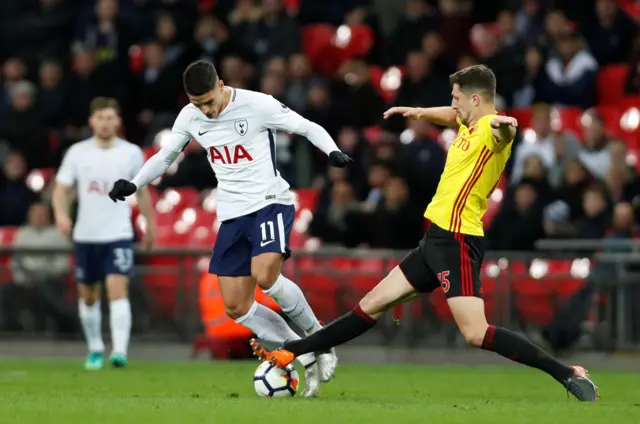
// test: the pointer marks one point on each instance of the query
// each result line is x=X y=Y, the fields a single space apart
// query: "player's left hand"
x=339 y=159
x=504 y=120
x=122 y=189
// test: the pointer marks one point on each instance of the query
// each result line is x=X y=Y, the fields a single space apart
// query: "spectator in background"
x=53 y=95
x=21 y=126
x=571 y=75
x=536 y=173
x=555 y=24
x=351 y=142
x=532 y=79
x=434 y=49
x=167 y=37
x=555 y=149
x=633 y=80
x=38 y=279
x=321 y=110
x=421 y=87
x=519 y=223
x=575 y=182
x=15 y=196
x=14 y=70
x=211 y=41
x=245 y=14
x=530 y=20
x=595 y=156
x=108 y=34
x=378 y=174
x=597 y=214
x=87 y=82
x=362 y=103
x=610 y=35
x=422 y=162
x=398 y=223
x=342 y=223
x=298 y=83
x=275 y=34
x=419 y=18
x=236 y=72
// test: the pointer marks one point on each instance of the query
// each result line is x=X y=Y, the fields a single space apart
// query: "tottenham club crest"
x=241 y=126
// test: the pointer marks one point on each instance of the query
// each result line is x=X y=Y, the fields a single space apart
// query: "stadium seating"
x=610 y=83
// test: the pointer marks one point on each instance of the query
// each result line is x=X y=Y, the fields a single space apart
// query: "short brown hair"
x=101 y=103
x=477 y=78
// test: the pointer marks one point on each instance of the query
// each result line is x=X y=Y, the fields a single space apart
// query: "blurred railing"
x=572 y=285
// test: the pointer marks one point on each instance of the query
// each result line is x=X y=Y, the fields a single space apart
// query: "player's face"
x=462 y=104
x=105 y=123
x=210 y=103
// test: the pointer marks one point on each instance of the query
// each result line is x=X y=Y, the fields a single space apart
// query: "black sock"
x=513 y=346
x=347 y=327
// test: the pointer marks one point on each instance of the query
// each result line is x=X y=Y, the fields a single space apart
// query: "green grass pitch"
x=61 y=392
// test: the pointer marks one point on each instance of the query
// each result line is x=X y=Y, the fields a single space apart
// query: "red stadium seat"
x=610 y=83
x=523 y=115
x=322 y=293
x=353 y=41
x=611 y=115
x=440 y=307
x=317 y=45
x=633 y=10
x=567 y=119
x=7 y=235
x=533 y=299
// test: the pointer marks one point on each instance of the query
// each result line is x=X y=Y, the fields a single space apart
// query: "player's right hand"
x=339 y=159
x=122 y=189
x=407 y=112
x=64 y=224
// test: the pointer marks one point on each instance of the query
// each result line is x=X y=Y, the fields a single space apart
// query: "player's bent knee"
x=265 y=269
x=236 y=311
x=474 y=335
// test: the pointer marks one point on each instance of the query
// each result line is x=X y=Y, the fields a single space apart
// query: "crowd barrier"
x=526 y=291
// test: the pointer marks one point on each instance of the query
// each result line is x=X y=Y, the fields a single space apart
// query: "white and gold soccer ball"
x=271 y=381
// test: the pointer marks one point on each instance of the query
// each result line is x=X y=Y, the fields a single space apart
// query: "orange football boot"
x=280 y=357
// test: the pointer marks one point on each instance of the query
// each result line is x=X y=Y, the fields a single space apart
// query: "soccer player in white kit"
x=103 y=233
x=255 y=206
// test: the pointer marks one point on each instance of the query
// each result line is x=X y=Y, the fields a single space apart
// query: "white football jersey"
x=240 y=145
x=93 y=170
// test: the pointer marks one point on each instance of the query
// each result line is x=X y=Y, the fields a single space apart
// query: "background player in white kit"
x=103 y=233
x=255 y=205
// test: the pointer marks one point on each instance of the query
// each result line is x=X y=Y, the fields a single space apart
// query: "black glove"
x=339 y=159
x=122 y=189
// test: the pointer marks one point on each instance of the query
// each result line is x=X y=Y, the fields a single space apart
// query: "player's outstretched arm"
x=146 y=209
x=277 y=115
x=444 y=116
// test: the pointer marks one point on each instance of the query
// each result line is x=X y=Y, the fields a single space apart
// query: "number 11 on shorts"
x=268 y=233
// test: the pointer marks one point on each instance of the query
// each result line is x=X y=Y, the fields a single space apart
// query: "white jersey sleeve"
x=277 y=115
x=68 y=173
x=175 y=144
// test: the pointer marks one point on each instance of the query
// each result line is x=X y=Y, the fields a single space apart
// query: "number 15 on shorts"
x=443 y=277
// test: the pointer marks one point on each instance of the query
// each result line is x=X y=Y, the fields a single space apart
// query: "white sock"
x=120 y=320
x=266 y=324
x=91 y=319
x=288 y=295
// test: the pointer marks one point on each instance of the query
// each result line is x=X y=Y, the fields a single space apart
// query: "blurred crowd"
x=57 y=55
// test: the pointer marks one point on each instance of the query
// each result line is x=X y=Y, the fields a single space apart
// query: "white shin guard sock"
x=120 y=320
x=91 y=320
x=266 y=324
x=288 y=295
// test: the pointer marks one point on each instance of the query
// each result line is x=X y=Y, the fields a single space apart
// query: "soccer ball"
x=271 y=381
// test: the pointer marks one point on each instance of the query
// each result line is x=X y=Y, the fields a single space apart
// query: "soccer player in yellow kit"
x=451 y=253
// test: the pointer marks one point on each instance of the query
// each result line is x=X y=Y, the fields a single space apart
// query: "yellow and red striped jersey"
x=473 y=168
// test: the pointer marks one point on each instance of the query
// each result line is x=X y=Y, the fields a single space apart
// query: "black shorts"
x=448 y=260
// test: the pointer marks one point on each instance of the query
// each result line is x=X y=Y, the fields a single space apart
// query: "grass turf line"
x=61 y=392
